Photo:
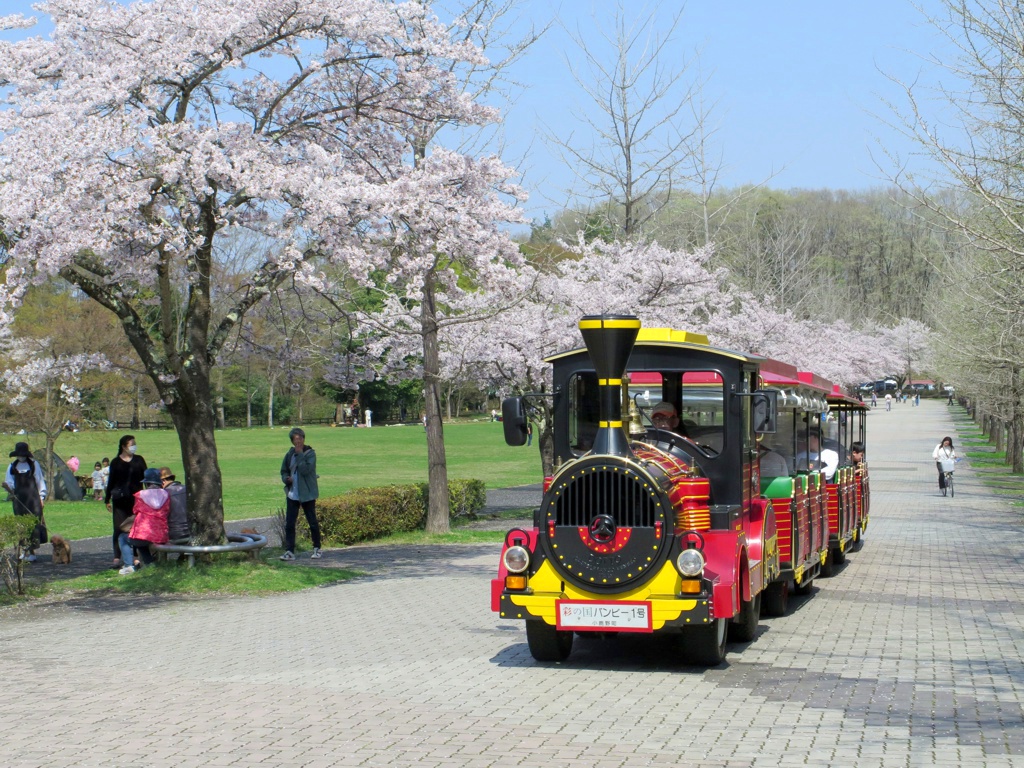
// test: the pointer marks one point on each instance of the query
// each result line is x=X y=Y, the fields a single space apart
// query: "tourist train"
x=692 y=531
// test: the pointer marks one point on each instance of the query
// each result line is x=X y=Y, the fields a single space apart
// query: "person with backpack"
x=25 y=482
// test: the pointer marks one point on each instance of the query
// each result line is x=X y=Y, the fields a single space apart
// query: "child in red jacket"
x=152 y=506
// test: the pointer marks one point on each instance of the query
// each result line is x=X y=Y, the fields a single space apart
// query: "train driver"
x=665 y=416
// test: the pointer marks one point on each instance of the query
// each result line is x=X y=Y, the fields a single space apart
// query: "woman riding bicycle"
x=943 y=451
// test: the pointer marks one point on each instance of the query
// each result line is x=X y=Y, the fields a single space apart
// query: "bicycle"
x=948 y=465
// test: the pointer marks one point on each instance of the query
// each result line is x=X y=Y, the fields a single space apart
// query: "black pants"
x=942 y=475
x=292 y=515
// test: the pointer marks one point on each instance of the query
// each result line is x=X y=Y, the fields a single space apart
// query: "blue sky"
x=798 y=84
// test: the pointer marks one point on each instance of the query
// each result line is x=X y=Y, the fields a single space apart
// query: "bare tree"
x=649 y=124
x=972 y=131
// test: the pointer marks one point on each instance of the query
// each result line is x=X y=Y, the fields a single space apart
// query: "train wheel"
x=839 y=556
x=804 y=587
x=776 y=599
x=705 y=646
x=828 y=568
x=858 y=543
x=547 y=643
x=743 y=627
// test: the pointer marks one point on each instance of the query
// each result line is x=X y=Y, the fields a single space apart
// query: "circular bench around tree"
x=237 y=542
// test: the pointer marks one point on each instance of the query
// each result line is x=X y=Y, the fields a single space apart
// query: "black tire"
x=858 y=544
x=804 y=587
x=705 y=645
x=838 y=556
x=828 y=568
x=776 y=599
x=547 y=643
x=743 y=627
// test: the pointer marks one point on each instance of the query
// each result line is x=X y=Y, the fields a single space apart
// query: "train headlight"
x=516 y=559
x=690 y=562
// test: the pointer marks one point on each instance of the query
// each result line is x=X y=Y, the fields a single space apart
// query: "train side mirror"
x=513 y=421
x=766 y=411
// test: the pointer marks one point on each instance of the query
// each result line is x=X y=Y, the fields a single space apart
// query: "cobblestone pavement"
x=910 y=656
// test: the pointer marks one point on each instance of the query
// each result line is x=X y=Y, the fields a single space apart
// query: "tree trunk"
x=137 y=405
x=51 y=443
x=437 y=466
x=195 y=422
x=270 y=405
x=220 y=399
x=546 y=439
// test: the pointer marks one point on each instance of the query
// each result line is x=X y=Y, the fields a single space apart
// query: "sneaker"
x=316 y=554
x=288 y=555
x=126 y=570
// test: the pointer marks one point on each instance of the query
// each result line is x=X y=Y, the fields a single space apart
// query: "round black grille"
x=606 y=523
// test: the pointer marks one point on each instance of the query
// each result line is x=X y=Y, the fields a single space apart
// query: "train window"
x=835 y=434
x=583 y=412
x=783 y=441
x=702 y=412
x=698 y=397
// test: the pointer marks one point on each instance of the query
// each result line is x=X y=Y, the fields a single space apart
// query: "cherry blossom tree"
x=138 y=136
x=663 y=287
x=43 y=389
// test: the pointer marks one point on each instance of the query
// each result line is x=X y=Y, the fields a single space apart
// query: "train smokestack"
x=609 y=340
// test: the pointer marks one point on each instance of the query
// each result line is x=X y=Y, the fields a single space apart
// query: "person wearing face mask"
x=125 y=480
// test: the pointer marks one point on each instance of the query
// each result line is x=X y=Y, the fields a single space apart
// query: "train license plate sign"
x=620 y=616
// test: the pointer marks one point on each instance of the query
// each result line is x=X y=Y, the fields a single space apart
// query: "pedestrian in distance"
x=25 y=482
x=529 y=433
x=298 y=473
x=98 y=481
x=874 y=399
x=944 y=451
x=888 y=401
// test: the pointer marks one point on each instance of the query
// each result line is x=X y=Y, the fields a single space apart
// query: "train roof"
x=838 y=398
x=669 y=337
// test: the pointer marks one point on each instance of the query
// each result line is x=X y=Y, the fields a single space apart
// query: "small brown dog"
x=61 y=550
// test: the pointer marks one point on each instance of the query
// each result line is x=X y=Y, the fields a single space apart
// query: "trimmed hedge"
x=363 y=514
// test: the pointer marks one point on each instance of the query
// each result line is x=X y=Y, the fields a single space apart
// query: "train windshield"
x=687 y=403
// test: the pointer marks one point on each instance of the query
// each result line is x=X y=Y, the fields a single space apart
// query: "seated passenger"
x=664 y=416
x=857 y=454
x=816 y=457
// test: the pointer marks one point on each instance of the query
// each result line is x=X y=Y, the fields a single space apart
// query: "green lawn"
x=250 y=461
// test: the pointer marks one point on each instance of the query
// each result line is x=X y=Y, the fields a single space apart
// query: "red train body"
x=680 y=532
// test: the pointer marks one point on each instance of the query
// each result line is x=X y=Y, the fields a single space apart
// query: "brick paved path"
x=907 y=658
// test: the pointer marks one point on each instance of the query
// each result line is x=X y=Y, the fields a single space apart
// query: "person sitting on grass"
x=151 y=510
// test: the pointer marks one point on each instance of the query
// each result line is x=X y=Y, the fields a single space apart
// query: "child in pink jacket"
x=152 y=507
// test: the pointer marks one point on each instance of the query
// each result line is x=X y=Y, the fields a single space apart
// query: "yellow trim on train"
x=668 y=337
x=672 y=336
x=610 y=382
x=612 y=424
x=547 y=586
x=602 y=323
